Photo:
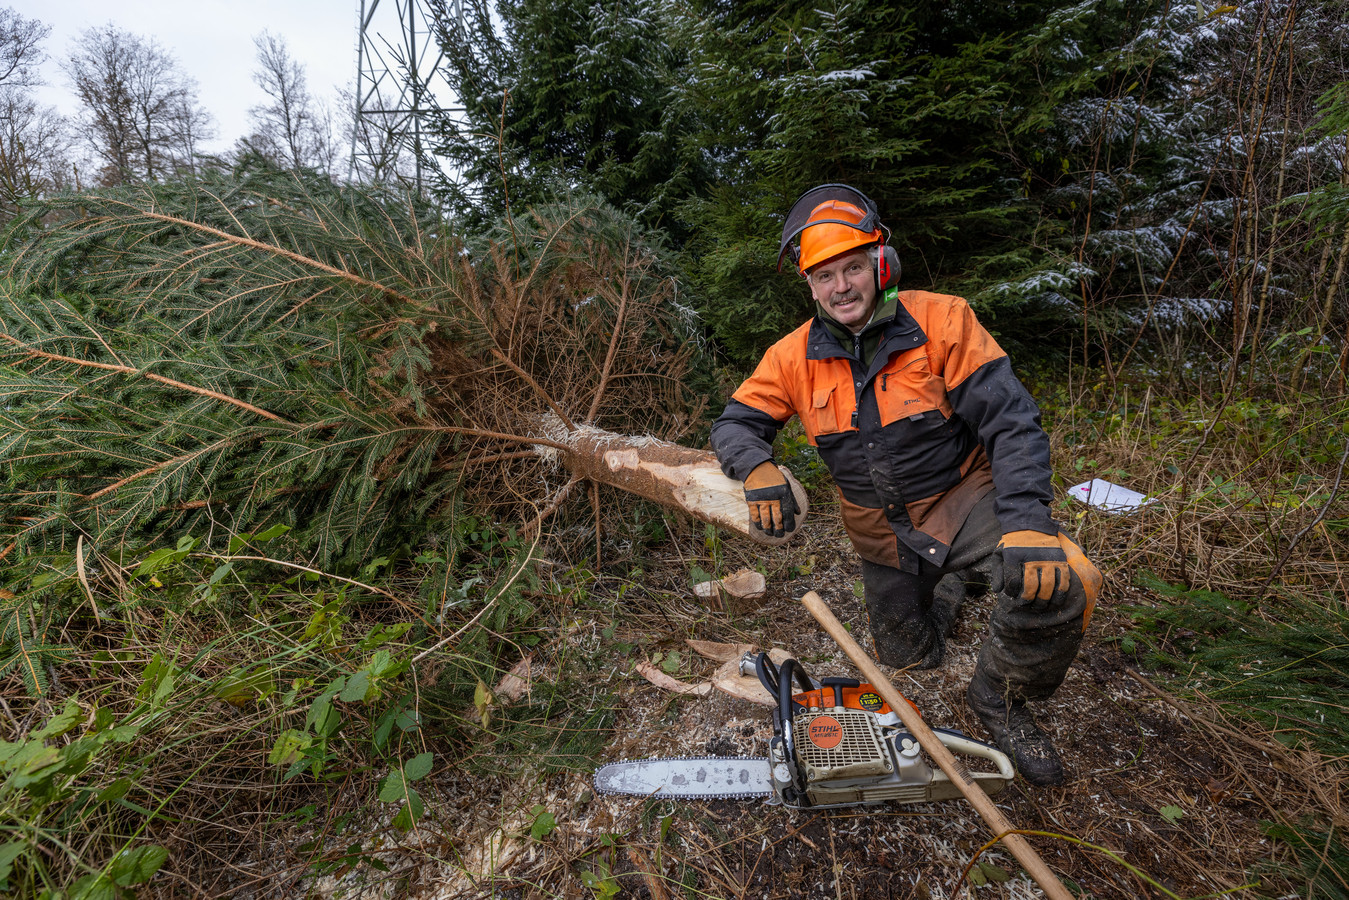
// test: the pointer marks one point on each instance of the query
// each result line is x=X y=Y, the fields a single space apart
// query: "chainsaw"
x=835 y=743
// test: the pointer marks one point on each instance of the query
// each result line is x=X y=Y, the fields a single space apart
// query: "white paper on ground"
x=1109 y=497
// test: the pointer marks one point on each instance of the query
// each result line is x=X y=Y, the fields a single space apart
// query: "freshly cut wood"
x=726 y=593
x=726 y=679
x=669 y=474
x=745 y=584
x=666 y=682
x=718 y=651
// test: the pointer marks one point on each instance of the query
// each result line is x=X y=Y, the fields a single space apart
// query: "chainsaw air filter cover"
x=840 y=743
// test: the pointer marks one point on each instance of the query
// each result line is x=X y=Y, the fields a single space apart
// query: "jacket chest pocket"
x=910 y=390
x=830 y=411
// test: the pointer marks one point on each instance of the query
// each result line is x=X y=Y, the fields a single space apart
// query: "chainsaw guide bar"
x=706 y=778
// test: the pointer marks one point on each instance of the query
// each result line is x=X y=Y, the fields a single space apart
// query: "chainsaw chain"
x=666 y=759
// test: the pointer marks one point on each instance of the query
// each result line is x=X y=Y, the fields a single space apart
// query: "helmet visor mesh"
x=800 y=212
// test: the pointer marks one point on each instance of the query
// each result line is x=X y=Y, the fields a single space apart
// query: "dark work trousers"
x=1026 y=653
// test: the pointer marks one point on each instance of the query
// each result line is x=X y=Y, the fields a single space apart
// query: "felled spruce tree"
x=224 y=355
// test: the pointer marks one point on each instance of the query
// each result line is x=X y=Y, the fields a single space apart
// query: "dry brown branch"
x=609 y=356
x=1320 y=517
x=529 y=379
x=654 y=881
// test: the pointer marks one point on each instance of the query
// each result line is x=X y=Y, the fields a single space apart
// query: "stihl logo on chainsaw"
x=825 y=732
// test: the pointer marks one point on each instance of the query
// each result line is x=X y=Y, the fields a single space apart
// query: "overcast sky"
x=213 y=43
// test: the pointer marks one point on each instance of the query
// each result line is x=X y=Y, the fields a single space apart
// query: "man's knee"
x=1029 y=650
x=897 y=610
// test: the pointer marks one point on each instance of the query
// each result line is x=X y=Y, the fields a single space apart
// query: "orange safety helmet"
x=834 y=227
x=834 y=218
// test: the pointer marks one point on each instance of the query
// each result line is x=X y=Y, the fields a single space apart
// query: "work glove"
x=772 y=507
x=1035 y=569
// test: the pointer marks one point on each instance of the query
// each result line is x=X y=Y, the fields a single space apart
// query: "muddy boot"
x=1016 y=734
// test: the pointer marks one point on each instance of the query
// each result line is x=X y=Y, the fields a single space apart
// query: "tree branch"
x=130 y=370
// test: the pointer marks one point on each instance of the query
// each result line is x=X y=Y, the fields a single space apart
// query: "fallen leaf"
x=994 y=873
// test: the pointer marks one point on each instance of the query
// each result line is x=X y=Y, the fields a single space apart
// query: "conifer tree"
x=910 y=106
x=563 y=96
x=212 y=357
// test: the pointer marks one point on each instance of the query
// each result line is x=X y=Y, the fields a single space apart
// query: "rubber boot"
x=1014 y=731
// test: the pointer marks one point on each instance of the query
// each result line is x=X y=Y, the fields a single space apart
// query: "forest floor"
x=1152 y=807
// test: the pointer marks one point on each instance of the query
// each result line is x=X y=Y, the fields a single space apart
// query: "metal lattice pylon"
x=398 y=83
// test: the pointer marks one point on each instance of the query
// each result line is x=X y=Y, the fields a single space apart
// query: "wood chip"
x=665 y=682
x=728 y=680
x=745 y=584
x=717 y=651
x=515 y=684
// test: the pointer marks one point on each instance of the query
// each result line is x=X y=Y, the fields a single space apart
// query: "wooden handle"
x=945 y=759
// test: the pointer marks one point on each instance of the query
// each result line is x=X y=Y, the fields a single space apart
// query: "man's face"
x=846 y=288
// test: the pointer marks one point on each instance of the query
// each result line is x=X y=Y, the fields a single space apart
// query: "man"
x=940 y=461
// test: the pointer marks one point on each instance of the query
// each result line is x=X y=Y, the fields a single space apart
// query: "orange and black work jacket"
x=913 y=440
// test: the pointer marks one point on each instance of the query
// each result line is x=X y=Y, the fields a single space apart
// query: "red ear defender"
x=883 y=268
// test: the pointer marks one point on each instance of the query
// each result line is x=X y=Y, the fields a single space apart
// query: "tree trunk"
x=677 y=477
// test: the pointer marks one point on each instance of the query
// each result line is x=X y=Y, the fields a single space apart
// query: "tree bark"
x=677 y=477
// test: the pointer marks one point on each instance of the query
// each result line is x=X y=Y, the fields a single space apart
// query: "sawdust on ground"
x=1129 y=755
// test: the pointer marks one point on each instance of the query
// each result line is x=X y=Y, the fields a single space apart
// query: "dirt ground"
x=1130 y=755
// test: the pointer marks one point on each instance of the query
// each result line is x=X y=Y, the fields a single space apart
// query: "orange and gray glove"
x=772 y=508
x=1035 y=569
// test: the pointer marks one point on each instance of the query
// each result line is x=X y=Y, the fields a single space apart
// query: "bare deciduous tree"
x=33 y=137
x=20 y=50
x=292 y=129
x=141 y=111
x=33 y=140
